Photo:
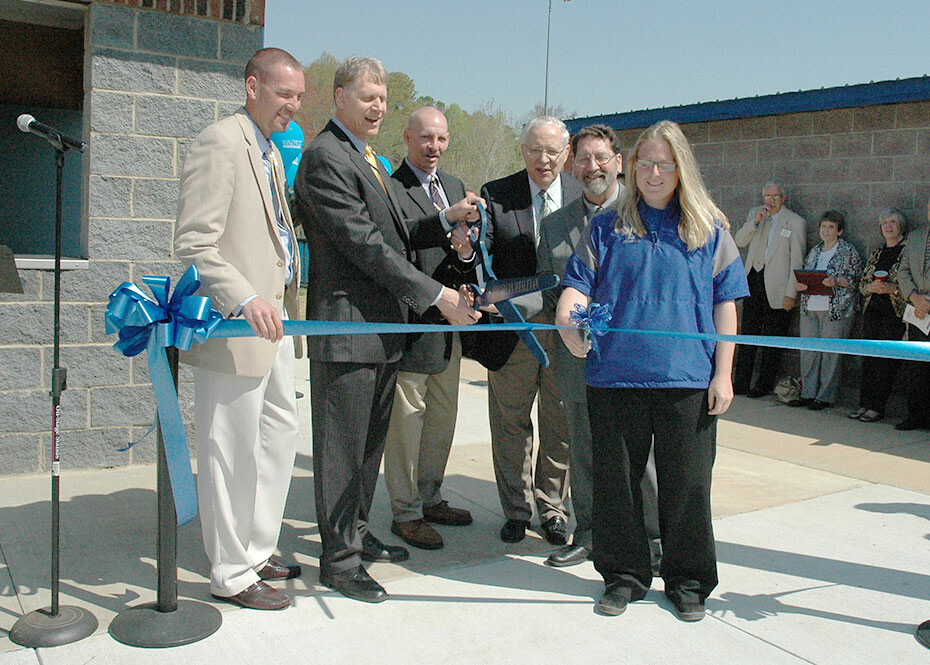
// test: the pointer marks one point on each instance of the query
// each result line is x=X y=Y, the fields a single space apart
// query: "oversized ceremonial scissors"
x=498 y=292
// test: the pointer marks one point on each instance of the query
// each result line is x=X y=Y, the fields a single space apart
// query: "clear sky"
x=610 y=56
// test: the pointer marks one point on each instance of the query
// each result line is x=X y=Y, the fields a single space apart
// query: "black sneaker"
x=614 y=601
x=689 y=610
x=688 y=606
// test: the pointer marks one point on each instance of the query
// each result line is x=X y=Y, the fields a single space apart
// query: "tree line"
x=484 y=145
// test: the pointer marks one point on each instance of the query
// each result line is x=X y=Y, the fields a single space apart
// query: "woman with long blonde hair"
x=664 y=260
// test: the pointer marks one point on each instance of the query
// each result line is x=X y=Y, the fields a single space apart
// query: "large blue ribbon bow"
x=593 y=319
x=150 y=325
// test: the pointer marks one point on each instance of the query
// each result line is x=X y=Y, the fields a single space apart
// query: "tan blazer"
x=226 y=227
x=786 y=254
x=911 y=275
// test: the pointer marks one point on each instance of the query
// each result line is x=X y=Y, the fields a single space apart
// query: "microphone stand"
x=56 y=625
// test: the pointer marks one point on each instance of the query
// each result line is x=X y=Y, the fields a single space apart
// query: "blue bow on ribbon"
x=150 y=325
x=593 y=319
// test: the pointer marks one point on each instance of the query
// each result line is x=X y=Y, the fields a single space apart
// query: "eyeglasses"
x=600 y=160
x=551 y=153
x=665 y=167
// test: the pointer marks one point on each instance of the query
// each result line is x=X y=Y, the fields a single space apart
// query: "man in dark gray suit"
x=426 y=396
x=516 y=205
x=597 y=165
x=361 y=270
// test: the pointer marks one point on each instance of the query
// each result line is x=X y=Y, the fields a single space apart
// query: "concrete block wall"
x=153 y=80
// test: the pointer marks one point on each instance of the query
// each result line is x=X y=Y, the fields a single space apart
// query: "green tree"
x=484 y=145
x=317 y=106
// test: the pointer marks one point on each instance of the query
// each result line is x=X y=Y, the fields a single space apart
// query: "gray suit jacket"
x=558 y=235
x=361 y=250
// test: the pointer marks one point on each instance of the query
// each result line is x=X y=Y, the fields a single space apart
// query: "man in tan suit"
x=777 y=239
x=234 y=225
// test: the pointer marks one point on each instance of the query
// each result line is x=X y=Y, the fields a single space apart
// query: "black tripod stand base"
x=923 y=633
x=42 y=629
x=146 y=626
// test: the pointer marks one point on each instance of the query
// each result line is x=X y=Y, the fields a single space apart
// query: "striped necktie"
x=287 y=239
x=434 y=194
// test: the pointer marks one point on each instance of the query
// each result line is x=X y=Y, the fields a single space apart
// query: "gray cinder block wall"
x=153 y=80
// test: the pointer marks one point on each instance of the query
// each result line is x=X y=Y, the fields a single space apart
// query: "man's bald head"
x=427 y=137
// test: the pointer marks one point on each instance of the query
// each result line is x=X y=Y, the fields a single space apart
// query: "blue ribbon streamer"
x=855 y=347
x=150 y=325
x=183 y=319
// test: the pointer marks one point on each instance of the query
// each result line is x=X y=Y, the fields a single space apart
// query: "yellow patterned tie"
x=373 y=161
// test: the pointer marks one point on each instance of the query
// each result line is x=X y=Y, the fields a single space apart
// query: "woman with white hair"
x=881 y=314
x=663 y=260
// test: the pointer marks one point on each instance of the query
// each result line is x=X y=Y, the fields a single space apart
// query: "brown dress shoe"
x=276 y=569
x=443 y=513
x=417 y=533
x=259 y=596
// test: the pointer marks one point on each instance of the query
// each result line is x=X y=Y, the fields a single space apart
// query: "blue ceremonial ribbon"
x=593 y=319
x=144 y=324
x=181 y=319
x=855 y=347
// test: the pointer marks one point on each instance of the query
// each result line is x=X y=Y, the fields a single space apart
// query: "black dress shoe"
x=355 y=584
x=555 y=530
x=570 y=555
x=514 y=531
x=374 y=550
x=908 y=424
x=258 y=596
x=802 y=401
x=276 y=569
x=756 y=393
x=817 y=405
x=614 y=601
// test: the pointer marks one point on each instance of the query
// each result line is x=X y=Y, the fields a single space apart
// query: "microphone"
x=28 y=124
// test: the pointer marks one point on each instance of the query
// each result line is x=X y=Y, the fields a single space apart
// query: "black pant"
x=759 y=319
x=878 y=374
x=918 y=383
x=624 y=423
x=351 y=406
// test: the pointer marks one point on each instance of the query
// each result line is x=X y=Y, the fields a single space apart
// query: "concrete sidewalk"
x=821 y=525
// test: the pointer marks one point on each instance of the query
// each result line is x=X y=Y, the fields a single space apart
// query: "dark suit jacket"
x=360 y=250
x=512 y=245
x=428 y=353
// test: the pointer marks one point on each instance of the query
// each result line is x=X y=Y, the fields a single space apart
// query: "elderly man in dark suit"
x=426 y=396
x=361 y=270
x=516 y=206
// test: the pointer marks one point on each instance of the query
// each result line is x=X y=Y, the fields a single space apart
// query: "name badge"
x=786 y=233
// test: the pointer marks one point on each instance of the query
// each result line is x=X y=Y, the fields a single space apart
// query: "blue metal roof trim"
x=863 y=94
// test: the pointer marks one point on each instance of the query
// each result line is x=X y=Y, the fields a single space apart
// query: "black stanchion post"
x=57 y=625
x=167 y=622
x=923 y=633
